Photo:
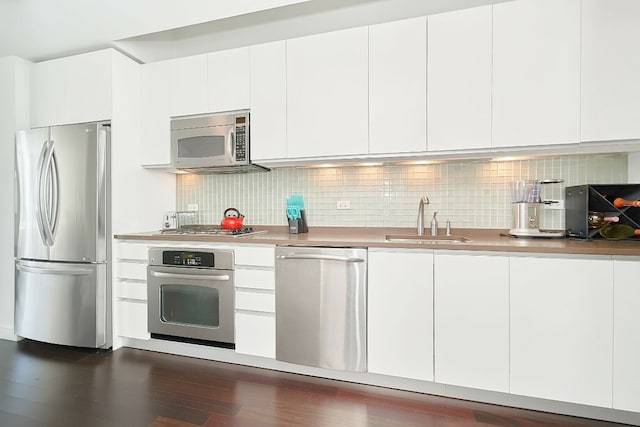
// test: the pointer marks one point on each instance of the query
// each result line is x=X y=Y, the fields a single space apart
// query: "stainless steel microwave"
x=212 y=143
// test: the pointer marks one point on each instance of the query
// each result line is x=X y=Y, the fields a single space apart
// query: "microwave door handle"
x=232 y=143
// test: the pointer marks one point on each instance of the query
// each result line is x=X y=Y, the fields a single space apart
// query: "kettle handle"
x=233 y=210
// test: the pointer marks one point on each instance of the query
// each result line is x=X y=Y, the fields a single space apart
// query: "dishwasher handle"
x=321 y=257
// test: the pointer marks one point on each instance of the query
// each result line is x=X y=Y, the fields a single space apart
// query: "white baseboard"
x=7 y=334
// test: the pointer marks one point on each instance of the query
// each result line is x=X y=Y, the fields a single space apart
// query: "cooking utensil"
x=232 y=219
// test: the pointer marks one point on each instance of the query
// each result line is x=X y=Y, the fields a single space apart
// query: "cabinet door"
x=536 y=72
x=188 y=85
x=228 y=80
x=132 y=319
x=459 y=79
x=610 y=68
x=472 y=320
x=626 y=335
x=561 y=336
x=89 y=87
x=74 y=89
x=155 y=132
x=269 y=101
x=49 y=93
x=256 y=333
x=398 y=86
x=327 y=94
x=400 y=318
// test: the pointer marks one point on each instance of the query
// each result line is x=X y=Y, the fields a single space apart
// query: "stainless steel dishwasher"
x=321 y=307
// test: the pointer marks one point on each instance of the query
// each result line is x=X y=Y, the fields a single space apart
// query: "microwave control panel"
x=241 y=143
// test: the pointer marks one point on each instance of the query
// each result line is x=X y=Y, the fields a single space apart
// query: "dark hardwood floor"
x=48 y=385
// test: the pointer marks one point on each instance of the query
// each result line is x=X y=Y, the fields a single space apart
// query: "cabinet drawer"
x=132 y=319
x=134 y=251
x=260 y=256
x=256 y=334
x=264 y=301
x=256 y=279
x=131 y=290
x=131 y=270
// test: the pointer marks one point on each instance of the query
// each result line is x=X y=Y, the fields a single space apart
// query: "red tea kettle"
x=232 y=219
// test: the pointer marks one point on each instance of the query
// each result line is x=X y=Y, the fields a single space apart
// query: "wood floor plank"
x=44 y=385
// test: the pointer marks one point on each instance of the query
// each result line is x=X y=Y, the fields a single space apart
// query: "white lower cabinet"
x=626 y=335
x=472 y=319
x=130 y=291
x=132 y=319
x=256 y=333
x=561 y=337
x=400 y=313
x=255 y=304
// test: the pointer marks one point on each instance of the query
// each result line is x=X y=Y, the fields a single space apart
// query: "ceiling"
x=153 y=30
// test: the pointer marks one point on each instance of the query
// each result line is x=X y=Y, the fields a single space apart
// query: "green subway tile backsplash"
x=472 y=194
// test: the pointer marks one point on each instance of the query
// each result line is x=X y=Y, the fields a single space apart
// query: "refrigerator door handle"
x=54 y=182
x=41 y=194
x=48 y=194
x=57 y=271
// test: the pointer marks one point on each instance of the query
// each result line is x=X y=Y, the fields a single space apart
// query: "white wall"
x=14 y=115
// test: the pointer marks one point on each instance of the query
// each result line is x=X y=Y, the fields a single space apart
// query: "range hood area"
x=221 y=170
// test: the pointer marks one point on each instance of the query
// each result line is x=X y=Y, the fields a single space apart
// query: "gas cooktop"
x=212 y=230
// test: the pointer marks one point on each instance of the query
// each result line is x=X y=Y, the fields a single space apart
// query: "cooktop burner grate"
x=212 y=230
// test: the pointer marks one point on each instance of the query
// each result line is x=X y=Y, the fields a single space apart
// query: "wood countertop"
x=480 y=240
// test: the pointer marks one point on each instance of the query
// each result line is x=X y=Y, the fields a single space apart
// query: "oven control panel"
x=188 y=258
x=219 y=259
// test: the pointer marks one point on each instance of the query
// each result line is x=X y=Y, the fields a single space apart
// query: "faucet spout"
x=420 y=225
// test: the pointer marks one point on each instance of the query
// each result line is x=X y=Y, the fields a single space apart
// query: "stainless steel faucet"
x=434 y=225
x=420 y=225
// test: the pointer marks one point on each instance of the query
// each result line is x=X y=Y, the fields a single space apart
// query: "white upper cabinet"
x=610 y=70
x=459 y=79
x=73 y=89
x=398 y=86
x=536 y=72
x=561 y=331
x=626 y=335
x=269 y=101
x=154 y=114
x=472 y=312
x=400 y=313
x=188 y=85
x=228 y=80
x=49 y=93
x=327 y=94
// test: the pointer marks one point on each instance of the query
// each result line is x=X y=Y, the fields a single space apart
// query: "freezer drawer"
x=62 y=303
x=321 y=315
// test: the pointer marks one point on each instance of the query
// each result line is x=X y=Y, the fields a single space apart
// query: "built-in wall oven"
x=191 y=295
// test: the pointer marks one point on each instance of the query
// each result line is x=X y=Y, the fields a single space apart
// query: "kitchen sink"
x=426 y=239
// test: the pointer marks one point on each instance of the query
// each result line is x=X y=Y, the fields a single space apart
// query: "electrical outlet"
x=192 y=207
x=343 y=204
x=558 y=205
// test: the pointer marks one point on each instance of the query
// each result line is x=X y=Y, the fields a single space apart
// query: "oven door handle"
x=221 y=277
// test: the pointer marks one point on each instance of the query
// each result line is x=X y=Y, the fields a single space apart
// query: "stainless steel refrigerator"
x=62 y=289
